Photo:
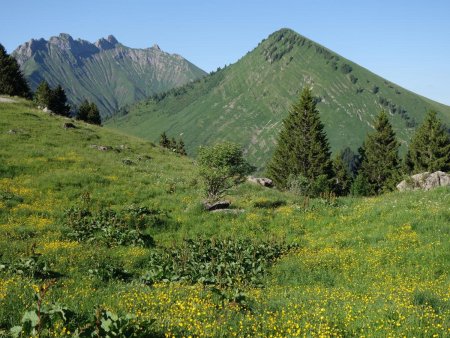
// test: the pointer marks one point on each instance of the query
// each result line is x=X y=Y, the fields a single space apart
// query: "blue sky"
x=407 y=42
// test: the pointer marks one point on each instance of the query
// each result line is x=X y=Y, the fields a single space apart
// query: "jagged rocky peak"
x=27 y=49
x=156 y=47
x=112 y=39
x=109 y=43
x=63 y=41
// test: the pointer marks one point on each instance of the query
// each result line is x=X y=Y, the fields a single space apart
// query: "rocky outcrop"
x=425 y=181
x=216 y=205
x=265 y=182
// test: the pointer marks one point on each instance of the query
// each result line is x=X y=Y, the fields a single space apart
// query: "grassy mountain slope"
x=247 y=101
x=107 y=72
x=363 y=267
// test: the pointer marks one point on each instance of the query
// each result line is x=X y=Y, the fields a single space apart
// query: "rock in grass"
x=425 y=181
x=69 y=125
x=216 y=205
x=101 y=148
x=265 y=182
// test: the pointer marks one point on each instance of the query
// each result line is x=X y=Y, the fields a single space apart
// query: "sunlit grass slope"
x=374 y=267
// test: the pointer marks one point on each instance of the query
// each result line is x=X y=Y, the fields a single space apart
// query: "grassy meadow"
x=118 y=236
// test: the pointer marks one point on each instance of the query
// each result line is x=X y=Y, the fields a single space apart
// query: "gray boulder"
x=265 y=182
x=425 y=181
x=216 y=205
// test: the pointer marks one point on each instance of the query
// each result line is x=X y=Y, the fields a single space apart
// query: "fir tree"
x=429 y=149
x=360 y=186
x=173 y=144
x=12 y=81
x=42 y=94
x=303 y=148
x=89 y=113
x=94 y=115
x=164 y=140
x=83 y=110
x=181 y=148
x=351 y=161
x=380 y=163
x=58 y=102
x=342 y=176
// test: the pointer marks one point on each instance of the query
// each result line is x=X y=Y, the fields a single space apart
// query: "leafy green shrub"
x=107 y=270
x=226 y=262
x=47 y=320
x=234 y=297
x=346 y=68
x=300 y=185
x=221 y=167
x=31 y=266
x=41 y=319
x=109 y=324
x=113 y=228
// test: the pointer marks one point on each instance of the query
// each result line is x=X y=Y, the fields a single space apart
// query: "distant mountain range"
x=247 y=101
x=105 y=72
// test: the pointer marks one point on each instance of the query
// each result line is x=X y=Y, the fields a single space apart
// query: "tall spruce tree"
x=164 y=140
x=42 y=94
x=58 y=102
x=303 y=148
x=181 y=147
x=429 y=149
x=380 y=165
x=88 y=112
x=12 y=81
x=173 y=144
x=342 y=175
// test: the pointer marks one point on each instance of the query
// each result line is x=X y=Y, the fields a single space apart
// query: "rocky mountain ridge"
x=105 y=72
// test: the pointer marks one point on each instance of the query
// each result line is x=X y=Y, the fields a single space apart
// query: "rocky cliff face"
x=105 y=72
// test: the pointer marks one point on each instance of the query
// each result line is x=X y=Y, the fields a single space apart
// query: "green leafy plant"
x=113 y=228
x=222 y=262
x=31 y=265
x=41 y=319
x=233 y=298
x=108 y=324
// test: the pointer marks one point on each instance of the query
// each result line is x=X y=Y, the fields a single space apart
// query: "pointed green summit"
x=247 y=101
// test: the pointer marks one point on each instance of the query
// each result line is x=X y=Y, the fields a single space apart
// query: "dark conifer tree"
x=380 y=165
x=94 y=115
x=181 y=148
x=173 y=144
x=58 y=102
x=342 y=176
x=89 y=113
x=351 y=161
x=83 y=110
x=429 y=149
x=164 y=140
x=303 y=148
x=42 y=94
x=12 y=81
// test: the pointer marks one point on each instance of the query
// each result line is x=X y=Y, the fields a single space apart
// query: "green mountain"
x=105 y=72
x=247 y=101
